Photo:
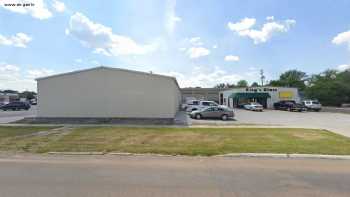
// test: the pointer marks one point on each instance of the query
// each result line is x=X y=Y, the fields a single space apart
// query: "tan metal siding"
x=107 y=93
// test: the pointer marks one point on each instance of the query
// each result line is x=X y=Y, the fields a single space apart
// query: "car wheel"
x=198 y=116
x=224 y=117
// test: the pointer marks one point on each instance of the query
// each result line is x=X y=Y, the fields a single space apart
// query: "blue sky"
x=202 y=43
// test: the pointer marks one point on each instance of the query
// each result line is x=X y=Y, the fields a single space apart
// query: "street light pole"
x=262 y=77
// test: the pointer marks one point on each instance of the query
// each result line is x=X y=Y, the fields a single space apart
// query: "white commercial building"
x=266 y=96
x=6 y=98
x=105 y=92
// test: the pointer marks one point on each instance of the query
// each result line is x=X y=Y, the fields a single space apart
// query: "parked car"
x=289 y=105
x=197 y=105
x=17 y=105
x=254 y=106
x=33 y=102
x=223 y=113
x=312 y=105
x=189 y=103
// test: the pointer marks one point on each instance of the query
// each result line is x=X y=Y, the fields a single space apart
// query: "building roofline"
x=109 y=68
x=195 y=88
x=257 y=87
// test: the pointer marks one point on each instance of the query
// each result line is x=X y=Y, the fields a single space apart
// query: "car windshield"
x=195 y=102
x=315 y=102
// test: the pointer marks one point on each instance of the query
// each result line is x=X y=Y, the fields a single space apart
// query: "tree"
x=291 y=78
x=27 y=94
x=220 y=86
x=242 y=83
x=223 y=85
x=10 y=91
x=330 y=87
x=255 y=84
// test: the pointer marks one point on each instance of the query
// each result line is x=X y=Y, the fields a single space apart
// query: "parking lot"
x=10 y=116
x=337 y=122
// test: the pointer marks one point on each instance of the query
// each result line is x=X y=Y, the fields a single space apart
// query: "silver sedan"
x=223 y=113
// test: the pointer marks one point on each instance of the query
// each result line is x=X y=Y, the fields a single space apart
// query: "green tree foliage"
x=27 y=94
x=255 y=84
x=242 y=83
x=291 y=78
x=10 y=91
x=330 y=87
x=224 y=85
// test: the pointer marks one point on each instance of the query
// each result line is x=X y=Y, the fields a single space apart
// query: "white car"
x=254 y=107
x=312 y=105
x=199 y=105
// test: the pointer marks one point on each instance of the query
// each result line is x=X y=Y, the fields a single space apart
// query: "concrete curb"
x=265 y=155
x=140 y=154
x=300 y=156
x=344 y=157
x=230 y=155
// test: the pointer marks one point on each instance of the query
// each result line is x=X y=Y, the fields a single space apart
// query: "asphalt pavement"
x=10 y=116
x=88 y=176
x=336 y=122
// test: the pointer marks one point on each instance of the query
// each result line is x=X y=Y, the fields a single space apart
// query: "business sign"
x=286 y=95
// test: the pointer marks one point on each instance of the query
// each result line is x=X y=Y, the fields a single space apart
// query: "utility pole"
x=262 y=77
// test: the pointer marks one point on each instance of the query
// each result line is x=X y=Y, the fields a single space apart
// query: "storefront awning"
x=249 y=95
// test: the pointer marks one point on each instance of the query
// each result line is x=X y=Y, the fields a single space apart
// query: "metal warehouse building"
x=266 y=96
x=105 y=92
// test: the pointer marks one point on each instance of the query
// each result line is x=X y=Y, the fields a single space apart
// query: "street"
x=10 y=116
x=86 y=176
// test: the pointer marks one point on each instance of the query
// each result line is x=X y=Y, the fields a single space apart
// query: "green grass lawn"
x=11 y=131
x=184 y=141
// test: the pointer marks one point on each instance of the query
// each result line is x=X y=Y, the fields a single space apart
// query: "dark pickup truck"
x=289 y=105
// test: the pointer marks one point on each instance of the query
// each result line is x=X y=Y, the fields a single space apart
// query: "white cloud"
x=16 y=78
x=18 y=40
x=270 y=18
x=196 y=52
x=215 y=46
x=171 y=19
x=37 y=8
x=36 y=73
x=9 y=68
x=196 y=41
x=244 y=24
x=343 y=67
x=8 y=74
x=342 y=38
x=102 y=39
x=200 y=77
x=244 y=29
x=231 y=58
x=58 y=6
